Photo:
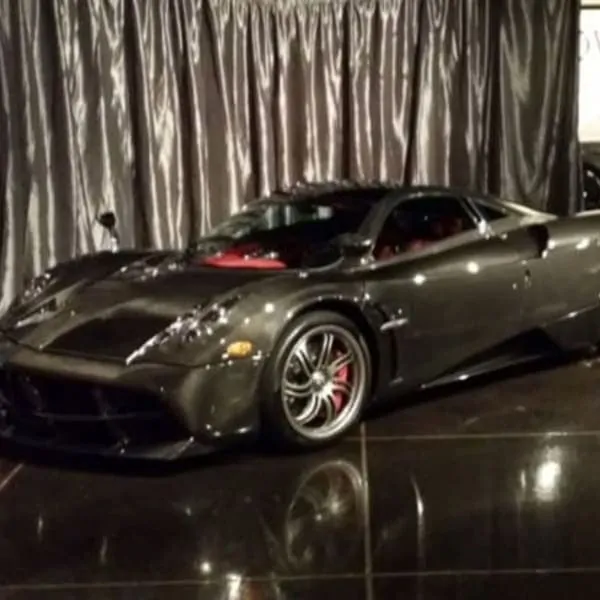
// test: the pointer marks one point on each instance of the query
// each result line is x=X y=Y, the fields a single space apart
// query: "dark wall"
x=173 y=113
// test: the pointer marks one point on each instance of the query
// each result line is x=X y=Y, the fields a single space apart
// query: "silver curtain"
x=172 y=113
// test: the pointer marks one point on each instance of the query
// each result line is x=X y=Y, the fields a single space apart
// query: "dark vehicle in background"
x=291 y=318
x=591 y=183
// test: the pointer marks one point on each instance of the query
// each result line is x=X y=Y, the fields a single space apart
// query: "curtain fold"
x=538 y=112
x=173 y=113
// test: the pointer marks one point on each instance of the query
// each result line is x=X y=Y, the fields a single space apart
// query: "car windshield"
x=288 y=232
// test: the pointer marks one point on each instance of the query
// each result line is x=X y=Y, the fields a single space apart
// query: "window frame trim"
x=473 y=235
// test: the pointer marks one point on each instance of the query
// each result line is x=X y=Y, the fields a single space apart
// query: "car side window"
x=417 y=223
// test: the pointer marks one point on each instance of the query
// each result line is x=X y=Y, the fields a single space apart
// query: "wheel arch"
x=367 y=325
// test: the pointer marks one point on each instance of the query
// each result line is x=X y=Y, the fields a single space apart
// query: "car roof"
x=325 y=190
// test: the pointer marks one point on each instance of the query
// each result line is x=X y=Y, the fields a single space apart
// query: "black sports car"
x=292 y=317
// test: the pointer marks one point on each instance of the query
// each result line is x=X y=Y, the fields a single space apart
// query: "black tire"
x=276 y=424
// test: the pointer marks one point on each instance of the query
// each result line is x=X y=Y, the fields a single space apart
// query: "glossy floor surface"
x=490 y=490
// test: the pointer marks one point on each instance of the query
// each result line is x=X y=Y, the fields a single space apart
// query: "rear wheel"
x=319 y=381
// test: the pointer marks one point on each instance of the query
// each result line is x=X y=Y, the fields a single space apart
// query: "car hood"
x=113 y=316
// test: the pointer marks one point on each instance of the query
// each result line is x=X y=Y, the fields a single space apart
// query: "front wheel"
x=318 y=382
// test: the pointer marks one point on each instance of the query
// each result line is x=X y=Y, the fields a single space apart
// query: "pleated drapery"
x=173 y=113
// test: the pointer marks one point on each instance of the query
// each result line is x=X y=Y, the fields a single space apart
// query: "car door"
x=449 y=299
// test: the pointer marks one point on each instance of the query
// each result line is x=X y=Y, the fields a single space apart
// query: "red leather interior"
x=235 y=261
x=438 y=230
x=447 y=227
x=387 y=251
x=416 y=245
x=384 y=252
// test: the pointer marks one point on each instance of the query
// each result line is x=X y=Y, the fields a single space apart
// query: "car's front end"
x=139 y=363
x=161 y=354
x=147 y=410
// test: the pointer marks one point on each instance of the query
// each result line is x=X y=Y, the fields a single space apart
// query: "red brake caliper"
x=343 y=375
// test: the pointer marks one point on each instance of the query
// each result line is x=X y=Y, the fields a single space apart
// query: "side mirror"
x=355 y=245
x=108 y=220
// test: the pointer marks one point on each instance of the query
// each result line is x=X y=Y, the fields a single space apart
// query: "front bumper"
x=153 y=411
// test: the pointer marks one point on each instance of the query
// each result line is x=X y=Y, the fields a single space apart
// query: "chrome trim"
x=482 y=224
x=394 y=323
x=318 y=402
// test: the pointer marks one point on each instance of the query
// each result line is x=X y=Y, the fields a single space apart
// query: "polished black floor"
x=490 y=490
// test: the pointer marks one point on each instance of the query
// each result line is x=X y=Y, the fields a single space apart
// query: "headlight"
x=38 y=315
x=35 y=288
x=190 y=326
x=19 y=314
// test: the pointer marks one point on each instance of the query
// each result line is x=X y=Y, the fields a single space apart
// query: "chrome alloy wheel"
x=324 y=382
